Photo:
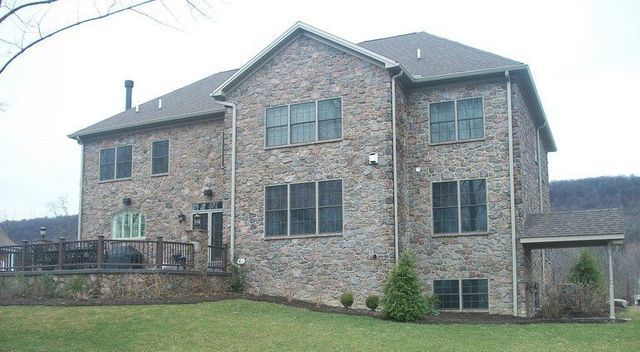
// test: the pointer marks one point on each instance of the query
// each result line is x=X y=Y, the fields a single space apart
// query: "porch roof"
x=582 y=228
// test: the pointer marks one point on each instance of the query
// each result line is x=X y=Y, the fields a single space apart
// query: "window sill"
x=461 y=234
x=116 y=180
x=274 y=238
x=128 y=239
x=464 y=310
x=303 y=144
x=160 y=175
x=458 y=141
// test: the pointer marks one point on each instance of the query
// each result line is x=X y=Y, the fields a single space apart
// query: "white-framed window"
x=115 y=163
x=456 y=120
x=128 y=224
x=310 y=208
x=160 y=157
x=303 y=122
x=459 y=206
x=462 y=294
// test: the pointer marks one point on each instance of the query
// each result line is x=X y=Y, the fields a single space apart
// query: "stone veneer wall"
x=314 y=268
x=459 y=256
x=194 y=164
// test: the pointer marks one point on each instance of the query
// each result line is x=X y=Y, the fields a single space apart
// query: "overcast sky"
x=584 y=56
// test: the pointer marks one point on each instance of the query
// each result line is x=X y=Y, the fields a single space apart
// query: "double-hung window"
x=160 y=158
x=459 y=206
x=462 y=294
x=304 y=123
x=310 y=208
x=127 y=224
x=115 y=163
x=456 y=120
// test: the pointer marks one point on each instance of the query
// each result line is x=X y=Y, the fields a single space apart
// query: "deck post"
x=159 y=252
x=612 y=309
x=23 y=257
x=61 y=254
x=100 y=252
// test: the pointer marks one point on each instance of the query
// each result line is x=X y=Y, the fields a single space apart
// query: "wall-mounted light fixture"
x=181 y=217
x=196 y=221
x=208 y=192
x=43 y=232
x=126 y=201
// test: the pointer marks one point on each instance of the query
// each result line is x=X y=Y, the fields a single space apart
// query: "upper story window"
x=115 y=163
x=456 y=120
x=304 y=123
x=160 y=158
x=459 y=206
x=310 y=208
x=127 y=224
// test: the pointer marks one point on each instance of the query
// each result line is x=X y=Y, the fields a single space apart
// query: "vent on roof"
x=159 y=103
x=137 y=108
x=418 y=53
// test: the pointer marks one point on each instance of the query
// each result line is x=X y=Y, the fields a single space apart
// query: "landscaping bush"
x=347 y=299
x=16 y=286
x=78 y=288
x=586 y=270
x=372 y=302
x=433 y=303
x=237 y=282
x=574 y=300
x=45 y=286
x=402 y=298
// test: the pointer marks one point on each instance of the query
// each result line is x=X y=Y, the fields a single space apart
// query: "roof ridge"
x=389 y=37
x=470 y=47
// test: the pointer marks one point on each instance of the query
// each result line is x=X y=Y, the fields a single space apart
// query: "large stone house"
x=320 y=161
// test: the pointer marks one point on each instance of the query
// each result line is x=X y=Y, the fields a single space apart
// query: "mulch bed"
x=442 y=318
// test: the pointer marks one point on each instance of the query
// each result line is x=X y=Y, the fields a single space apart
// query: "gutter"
x=395 y=167
x=81 y=188
x=232 y=235
x=514 y=269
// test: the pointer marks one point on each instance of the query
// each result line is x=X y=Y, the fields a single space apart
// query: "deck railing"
x=97 y=254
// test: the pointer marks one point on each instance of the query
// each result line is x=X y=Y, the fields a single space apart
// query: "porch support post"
x=612 y=310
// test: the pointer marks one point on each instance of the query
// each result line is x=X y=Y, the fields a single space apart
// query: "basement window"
x=115 y=163
x=462 y=294
x=301 y=209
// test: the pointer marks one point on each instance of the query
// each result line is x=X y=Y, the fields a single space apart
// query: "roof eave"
x=79 y=135
x=222 y=89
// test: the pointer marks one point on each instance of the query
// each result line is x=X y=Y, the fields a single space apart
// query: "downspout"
x=232 y=235
x=81 y=187
x=514 y=269
x=544 y=254
x=395 y=168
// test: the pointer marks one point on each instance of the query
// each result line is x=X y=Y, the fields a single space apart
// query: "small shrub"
x=17 y=286
x=78 y=288
x=433 y=303
x=586 y=270
x=402 y=298
x=45 y=286
x=347 y=299
x=372 y=302
x=237 y=283
x=578 y=300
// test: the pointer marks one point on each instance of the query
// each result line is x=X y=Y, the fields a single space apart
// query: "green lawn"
x=241 y=325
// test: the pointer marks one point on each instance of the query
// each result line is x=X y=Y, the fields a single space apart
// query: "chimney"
x=128 y=86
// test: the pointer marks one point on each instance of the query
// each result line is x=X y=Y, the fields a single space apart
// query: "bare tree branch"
x=153 y=19
x=15 y=10
x=42 y=38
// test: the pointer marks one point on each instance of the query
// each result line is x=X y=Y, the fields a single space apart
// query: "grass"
x=241 y=325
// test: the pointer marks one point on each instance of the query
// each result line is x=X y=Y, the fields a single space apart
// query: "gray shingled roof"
x=5 y=240
x=192 y=99
x=575 y=223
x=438 y=56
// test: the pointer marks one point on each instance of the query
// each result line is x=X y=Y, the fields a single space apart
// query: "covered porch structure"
x=585 y=228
